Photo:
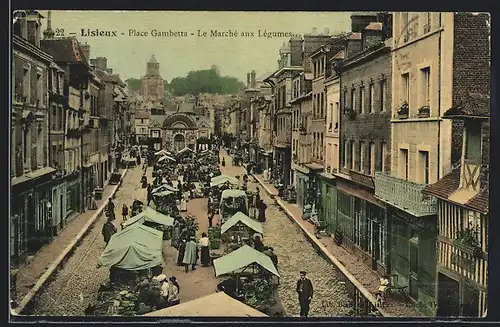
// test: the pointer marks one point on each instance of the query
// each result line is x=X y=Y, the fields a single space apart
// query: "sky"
x=234 y=55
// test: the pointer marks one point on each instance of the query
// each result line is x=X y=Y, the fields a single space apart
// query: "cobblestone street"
x=295 y=254
x=76 y=284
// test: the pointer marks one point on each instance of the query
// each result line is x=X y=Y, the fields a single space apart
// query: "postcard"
x=249 y=164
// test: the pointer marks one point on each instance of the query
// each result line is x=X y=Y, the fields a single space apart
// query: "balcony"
x=404 y=195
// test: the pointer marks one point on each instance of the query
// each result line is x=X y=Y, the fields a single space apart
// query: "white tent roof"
x=214 y=305
x=244 y=219
x=242 y=258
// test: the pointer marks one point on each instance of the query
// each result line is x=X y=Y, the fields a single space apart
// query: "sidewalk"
x=30 y=273
x=367 y=279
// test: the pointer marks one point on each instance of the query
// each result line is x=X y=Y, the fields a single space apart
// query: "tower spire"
x=49 y=33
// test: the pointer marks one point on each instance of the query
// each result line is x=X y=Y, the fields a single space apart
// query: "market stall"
x=232 y=201
x=239 y=230
x=214 y=305
x=133 y=251
x=255 y=276
x=148 y=215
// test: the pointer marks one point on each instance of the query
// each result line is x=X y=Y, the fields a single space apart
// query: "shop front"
x=363 y=224
x=301 y=185
x=328 y=203
x=73 y=197
x=413 y=257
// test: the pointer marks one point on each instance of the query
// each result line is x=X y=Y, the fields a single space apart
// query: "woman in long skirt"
x=182 y=248
x=205 y=250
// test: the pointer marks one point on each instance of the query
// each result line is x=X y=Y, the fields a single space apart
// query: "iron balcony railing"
x=404 y=195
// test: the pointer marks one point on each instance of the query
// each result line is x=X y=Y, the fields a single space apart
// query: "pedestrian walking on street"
x=223 y=162
x=262 y=211
x=190 y=255
x=182 y=249
x=108 y=229
x=111 y=209
x=257 y=243
x=305 y=292
x=211 y=214
x=124 y=212
x=204 y=250
x=149 y=195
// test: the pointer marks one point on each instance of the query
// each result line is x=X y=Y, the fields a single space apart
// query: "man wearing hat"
x=190 y=254
x=305 y=292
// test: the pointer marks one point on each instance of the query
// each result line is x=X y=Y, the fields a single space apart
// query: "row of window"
x=319 y=105
x=363 y=156
x=318 y=142
x=422 y=165
x=319 y=66
x=358 y=98
x=30 y=85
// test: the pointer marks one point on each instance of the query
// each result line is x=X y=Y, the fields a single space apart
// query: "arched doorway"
x=179 y=142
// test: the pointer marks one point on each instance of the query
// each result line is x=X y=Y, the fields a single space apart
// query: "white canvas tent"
x=243 y=257
x=240 y=217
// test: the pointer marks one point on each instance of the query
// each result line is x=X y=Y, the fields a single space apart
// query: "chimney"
x=248 y=79
x=327 y=31
x=359 y=22
x=100 y=62
x=86 y=51
x=254 y=85
x=315 y=31
x=109 y=70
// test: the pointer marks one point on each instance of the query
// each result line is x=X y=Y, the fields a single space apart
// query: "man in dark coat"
x=108 y=229
x=262 y=211
x=149 y=195
x=182 y=248
x=111 y=209
x=305 y=292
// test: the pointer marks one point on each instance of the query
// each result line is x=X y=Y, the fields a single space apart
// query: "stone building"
x=321 y=69
x=141 y=125
x=301 y=138
x=430 y=54
x=364 y=133
x=463 y=205
x=68 y=54
x=106 y=105
x=289 y=63
x=152 y=88
x=328 y=191
x=31 y=175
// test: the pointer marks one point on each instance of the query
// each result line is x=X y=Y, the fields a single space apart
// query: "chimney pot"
x=315 y=31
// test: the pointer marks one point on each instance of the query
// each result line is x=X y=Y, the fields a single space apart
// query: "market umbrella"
x=241 y=258
x=151 y=215
x=135 y=248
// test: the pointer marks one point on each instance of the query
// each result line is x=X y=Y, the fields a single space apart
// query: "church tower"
x=152 y=82
x=153 y=68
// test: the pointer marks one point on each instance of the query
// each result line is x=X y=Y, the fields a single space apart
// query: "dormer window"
x=472 y=151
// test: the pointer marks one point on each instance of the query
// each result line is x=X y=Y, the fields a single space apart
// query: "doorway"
x=179 y=142
x=448 y=297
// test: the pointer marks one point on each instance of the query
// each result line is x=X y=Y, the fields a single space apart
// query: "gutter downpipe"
x=439 y=98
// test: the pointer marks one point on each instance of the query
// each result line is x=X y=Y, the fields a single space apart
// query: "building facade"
x=31 y=174
x=365 y=131
x=463 y=205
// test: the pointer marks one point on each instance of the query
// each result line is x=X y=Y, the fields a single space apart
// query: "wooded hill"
x=196 y=82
